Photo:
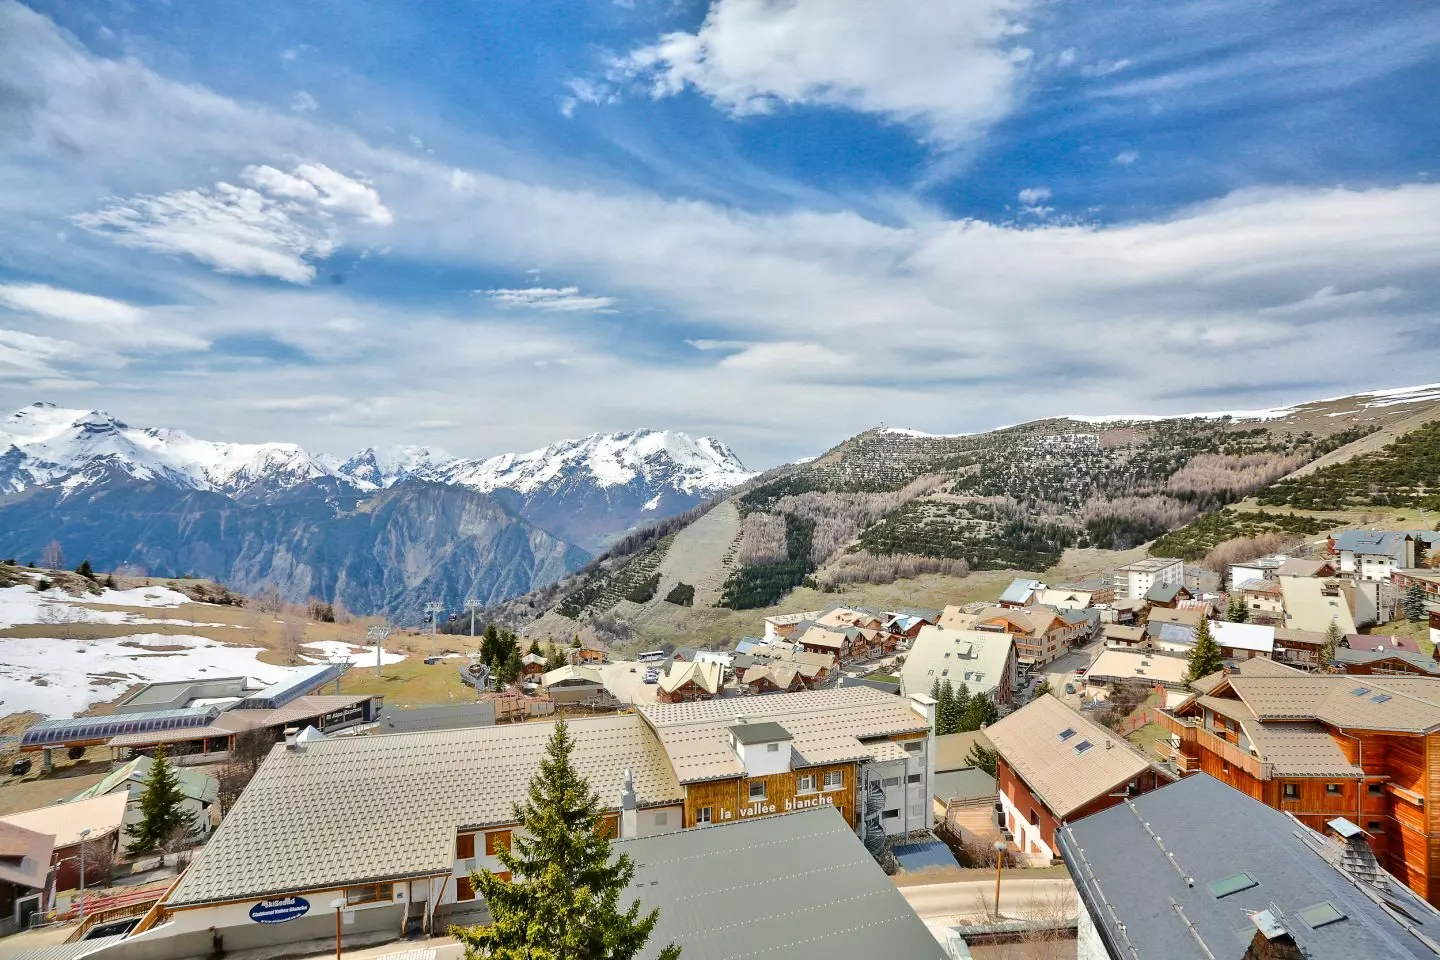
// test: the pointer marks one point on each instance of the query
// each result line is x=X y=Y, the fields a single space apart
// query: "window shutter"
x=465 y=846
x=499 y=840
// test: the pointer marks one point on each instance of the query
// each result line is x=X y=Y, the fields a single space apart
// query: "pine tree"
x=945 y=714
x=1328 y=647
x=1237 y=612
x=1205 y=657
x=110 y=581
x=980 y=712
x=562 y=899
x=962 y=706
x=162 y=815
x=982 y=757
x=1414 y=603
x=85 y=570
x=510 y=667
x=535 y=647
x=1044 y=688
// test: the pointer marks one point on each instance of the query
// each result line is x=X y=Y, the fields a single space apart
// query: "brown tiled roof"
x=1295 y=749
x=1029 y=742
x=32 y=849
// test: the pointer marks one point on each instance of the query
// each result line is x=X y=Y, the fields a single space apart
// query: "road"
x=940 y=905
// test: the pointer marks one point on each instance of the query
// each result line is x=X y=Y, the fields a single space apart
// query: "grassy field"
x=1146 y=737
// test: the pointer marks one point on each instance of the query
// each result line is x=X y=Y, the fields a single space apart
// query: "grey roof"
x=884 y=686
x=1371 y=542
x=1172 y=632
x=787 y=887
x=768 y=732
x=1164 y=592
x=451 y=716
x=1019 y=590
x=1417 y=660
x=357 y=809
x=1214 y=832
x=69 y=951
x=967 y=783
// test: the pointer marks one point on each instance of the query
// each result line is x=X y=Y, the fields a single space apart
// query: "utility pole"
x=377 y=636
x=434 y=608
x=472 y=605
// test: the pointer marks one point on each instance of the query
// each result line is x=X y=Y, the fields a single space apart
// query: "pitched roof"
x=1268 y=587
x=973 y=657
x=1124 y=633
x=827 y=726
x=1134 y=860
x=1033 y=743
x=1378 y=702
x=1307 y=607
x=1020 y=590
x=1386 y=543
x=1164 y=592
x=25 y=855
x=831 y=638
x=1243 y=636
x=193 y=784
x=1030 y=621
x=310 y=817
x=952 y=749
x=787 y=887
x=1417 y=660
x=1302 y=567
x=64 y=821
x=705 y=674
x=1188 y=616
x=571 y=672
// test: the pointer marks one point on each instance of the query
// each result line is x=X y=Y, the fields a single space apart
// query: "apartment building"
x=984 y=661
x=1321 y=746
x=1135 y=580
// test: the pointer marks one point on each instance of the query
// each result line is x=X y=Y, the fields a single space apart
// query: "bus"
x=651 y=656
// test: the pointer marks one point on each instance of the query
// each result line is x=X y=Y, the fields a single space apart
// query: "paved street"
x=627 y=686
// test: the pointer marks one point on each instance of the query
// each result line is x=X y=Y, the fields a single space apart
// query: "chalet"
x=1168 y=595
x=692 y=680
x=91 y=828
x=25 y=857
x=1152 y=669
x=958 y=617
x=1020 y=593
x=1427 y=580
x=905 y=623
x=1041 y=633
x=814 y=668
x=866 y=753
x=1241 y=641
x=1363 y=662
x=588 y=656
x=1063 y=598
x=1172 y=631
x=1299 y=648
x=851 y=617
x=1054 y=765
x=783 y=626
x=982 y=660
x=1307 y=567
x=846 y=643
x=1264 y=601
x=1322 y=746
x=1374 y=554
x=1314 y=604
x=1198 y=871
x=772 y=678
x=1127 y=611
x=1101 y=589
x=532 y=665
x=392 y=826
x=1119 y=636
x=1262 y=568
x=572 y=684
x=1135 y=580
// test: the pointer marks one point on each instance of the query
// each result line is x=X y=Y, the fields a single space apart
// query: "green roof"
x=193 y=784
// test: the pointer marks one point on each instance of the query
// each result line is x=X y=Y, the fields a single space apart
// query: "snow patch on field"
x=340 y=650
x=62 y=678
x=25 y=605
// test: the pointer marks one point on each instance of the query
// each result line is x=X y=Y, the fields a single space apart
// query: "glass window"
x=914 y=778
x=1232 y=884
x=772 y=748
x=1291 y=791
x=1375 y=789
x=807 y=783
x=370 y=893
x=757 y=790
x=891 y=815
x=834 y=780
x=702 y=816
x=1334 y=789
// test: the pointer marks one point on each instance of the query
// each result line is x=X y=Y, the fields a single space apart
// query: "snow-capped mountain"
x=585 y=491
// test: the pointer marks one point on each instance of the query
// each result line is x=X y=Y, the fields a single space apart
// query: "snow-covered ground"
x=327 y=650
x=61 y=678
x=24 y=604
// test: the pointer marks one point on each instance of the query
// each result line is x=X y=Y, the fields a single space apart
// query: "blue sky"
x=486 y=226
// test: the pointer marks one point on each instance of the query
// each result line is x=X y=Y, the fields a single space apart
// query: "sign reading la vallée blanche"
x=760 y=809
x=278 y=911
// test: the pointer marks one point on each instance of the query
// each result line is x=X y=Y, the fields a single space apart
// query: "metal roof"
x=71 y=730
x=299 y=682
x=64 y=821
x=966 y=783
x=766 y=732
x=788 y=887
x=355 y=809
x=959 y=656
x=193 y=784
x=1136 y=862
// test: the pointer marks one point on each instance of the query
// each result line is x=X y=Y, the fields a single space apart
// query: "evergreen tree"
x=1328 y=647
x=1205 y=657
x=1044 y=688
x=85 y=570
x=562 y=899
x=161 y=815
x=980 y=712
x=510 y=667
x=1414 y=603
x=1237 y=612
x=962 y=706
x=110 y=581
x=945 y=716
x=535 y=647
x=982 y=757
x=575 y=642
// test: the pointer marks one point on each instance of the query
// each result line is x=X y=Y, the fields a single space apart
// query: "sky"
x=486 y=226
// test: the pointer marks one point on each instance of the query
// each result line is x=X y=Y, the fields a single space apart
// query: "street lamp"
x=999 y=865
x=338 y=904
x=83 y=834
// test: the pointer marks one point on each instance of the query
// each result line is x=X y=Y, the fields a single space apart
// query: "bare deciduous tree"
x=1241 y=549
x=267 y=599
x=52 y=557
x=762 y=540
x=868 y=568
x=292 y=639
x=1218 y=473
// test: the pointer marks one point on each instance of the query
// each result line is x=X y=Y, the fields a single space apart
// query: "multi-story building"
x=1134 y=580
x=1041 y=633
x=1325 y=746
x=1374 y=554
x=984 y=661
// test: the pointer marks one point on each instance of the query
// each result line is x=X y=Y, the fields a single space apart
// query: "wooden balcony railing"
x=1191 y=733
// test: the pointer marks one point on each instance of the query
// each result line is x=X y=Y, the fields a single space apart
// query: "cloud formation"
x=552 y=299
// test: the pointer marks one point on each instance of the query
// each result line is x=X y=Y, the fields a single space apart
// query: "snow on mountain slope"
x=656 y=457
x=378 y=467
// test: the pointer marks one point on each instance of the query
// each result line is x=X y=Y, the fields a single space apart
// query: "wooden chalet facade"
x=1041 y=633
x=1366 y=748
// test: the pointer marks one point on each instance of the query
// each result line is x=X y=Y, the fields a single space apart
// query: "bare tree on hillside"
x=267 y=599
x=292 y=639
x=868 y=568
x=52 y=557
x=762 y=540
x=1241 y=549
x=1218 y=473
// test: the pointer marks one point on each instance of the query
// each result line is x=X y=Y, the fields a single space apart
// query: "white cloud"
x=553 y=299
x=303 y=102
x=1127 y=157
x=58 y=304
x=313 y=404
x=951 y=69
x=801 y=360
x=273 y=228
x=1033 y=195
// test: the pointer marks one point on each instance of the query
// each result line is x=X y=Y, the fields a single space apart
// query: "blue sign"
x=278 y=911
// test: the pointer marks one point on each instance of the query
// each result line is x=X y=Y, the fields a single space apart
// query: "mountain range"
x=384 y=529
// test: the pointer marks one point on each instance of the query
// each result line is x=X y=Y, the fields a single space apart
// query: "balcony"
x=1191 y=733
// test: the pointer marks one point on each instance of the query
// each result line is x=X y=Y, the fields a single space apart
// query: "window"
x=890 y=815
x=1374 y=825
x=1321 y=914
x=757 y=790
x=464 y=889
x=807 y=783
x=1380 y=698
x=834 y=779
x=498 y=840
x=1333 y=789
x=913 y=778
x=1082 y=746
x=914 y=746
x=1290 y=791
x=1067 y=733
x=1034 y=818
x=1375 y=789
x=370 y=893
x=1232 y=884
x=1359 y=691
x=892 y=781
x=702 y=817
x=465 y=846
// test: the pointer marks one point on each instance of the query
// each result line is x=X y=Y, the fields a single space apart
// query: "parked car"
x=652 y=677
x=20 y=767
x=1070 y=688
x=75 y=753
x=1080 y=672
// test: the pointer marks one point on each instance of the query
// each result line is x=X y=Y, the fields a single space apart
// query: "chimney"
x=629 y=814
x=292 y=738
x=924 y=705
x=1109 y=744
